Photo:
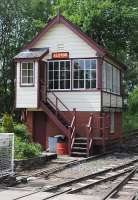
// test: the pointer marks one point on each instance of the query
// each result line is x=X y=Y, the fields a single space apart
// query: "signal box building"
x=66 y=84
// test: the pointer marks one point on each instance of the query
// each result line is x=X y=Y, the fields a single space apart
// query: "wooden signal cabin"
x=66 y=84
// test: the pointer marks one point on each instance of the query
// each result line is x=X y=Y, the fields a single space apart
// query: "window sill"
x=26 y=85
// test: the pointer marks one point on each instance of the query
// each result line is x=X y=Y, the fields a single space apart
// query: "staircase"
x=79 y=148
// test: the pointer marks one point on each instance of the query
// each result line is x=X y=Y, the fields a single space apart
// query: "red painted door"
x=39 y=128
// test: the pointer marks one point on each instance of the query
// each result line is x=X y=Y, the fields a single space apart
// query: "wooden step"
x=79 y=148
x=78 y=153
x=80 y=139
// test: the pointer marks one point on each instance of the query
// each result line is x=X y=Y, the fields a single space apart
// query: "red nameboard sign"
x=60 y=55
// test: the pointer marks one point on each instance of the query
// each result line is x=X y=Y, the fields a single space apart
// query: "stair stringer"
x=54 y=119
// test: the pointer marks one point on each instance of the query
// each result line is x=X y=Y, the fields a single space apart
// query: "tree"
x=133 y=101
x=112 y=24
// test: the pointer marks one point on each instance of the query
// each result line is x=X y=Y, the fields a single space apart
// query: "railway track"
x=126 y=189
x=53 y=170
x=125 y=171
x=93 y=179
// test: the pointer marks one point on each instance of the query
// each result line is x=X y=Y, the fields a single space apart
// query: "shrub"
x=26 y=150
x=1 y=129
x=20 y=130
x=7 y=123
x=130 y=122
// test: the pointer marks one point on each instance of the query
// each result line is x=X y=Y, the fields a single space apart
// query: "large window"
x=27 y=74
x=110 y=78
x=84 y=73
x=59 y=75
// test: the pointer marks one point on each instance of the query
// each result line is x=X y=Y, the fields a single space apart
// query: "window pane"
x=67 y=74
x=61 y=84
x=76 y=74
x=50 y=85
x=81 y=64
x=67 y=65
x=62 y=65
x=67 y=84
x=62 y=74
x=55 y=84
x=30 y=79
x=30 y=66
x=56 y=65
x=93 y=84
x=81 y=74
x=76 y=65
x=24 y=72
x=88 y=74
x=30 y=72
x=87 y=64
x=24 y=80
x=24 y=66
x=81 y=84
x=50 y=75
x=87 y=84
x=93 y=64
x=93 y=74
x=75 y=83
x=56 y=74
x=50 y=65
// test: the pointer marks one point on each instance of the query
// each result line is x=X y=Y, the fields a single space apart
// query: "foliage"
x=20 y=130
x=1 y=129
x=133 y=101
x=130 y=122
x=7 y=123
x=23 y=147
x=130 y=117
x=112 y=24
x=26 y=150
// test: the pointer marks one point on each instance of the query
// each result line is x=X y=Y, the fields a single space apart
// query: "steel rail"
x=53 y=170
x=118 y=186
x=91 y=175
x=99 y=181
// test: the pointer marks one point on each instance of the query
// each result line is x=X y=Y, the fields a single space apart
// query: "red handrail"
x=72 y=131
x=72 y=121
x=89 y=127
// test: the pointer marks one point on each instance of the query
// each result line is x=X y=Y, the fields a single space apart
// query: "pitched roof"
x=60 y=19
x=34 y=53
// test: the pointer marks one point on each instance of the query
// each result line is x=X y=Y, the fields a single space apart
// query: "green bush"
x=26 y=150
x=7 y=123
x=130 y=122
x=1 y=129
x=20 y=130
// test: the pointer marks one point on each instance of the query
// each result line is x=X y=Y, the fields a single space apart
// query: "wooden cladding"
x=60 y=55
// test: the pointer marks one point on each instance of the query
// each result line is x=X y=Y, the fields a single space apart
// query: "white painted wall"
x=60 y=38
x=116 y=101
x=82 y=101
x=26 y=97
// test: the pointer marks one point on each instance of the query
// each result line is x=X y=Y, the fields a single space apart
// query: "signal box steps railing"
x=66 y=123
x=102 y=124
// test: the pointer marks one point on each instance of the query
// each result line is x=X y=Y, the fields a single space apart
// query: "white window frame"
x=21 y=70
x=59 y=75
x=112 y=84
x=84 y=59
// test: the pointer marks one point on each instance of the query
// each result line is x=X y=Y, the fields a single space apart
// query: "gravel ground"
x=102 y=189
x=95 y=165
x=79 y=170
